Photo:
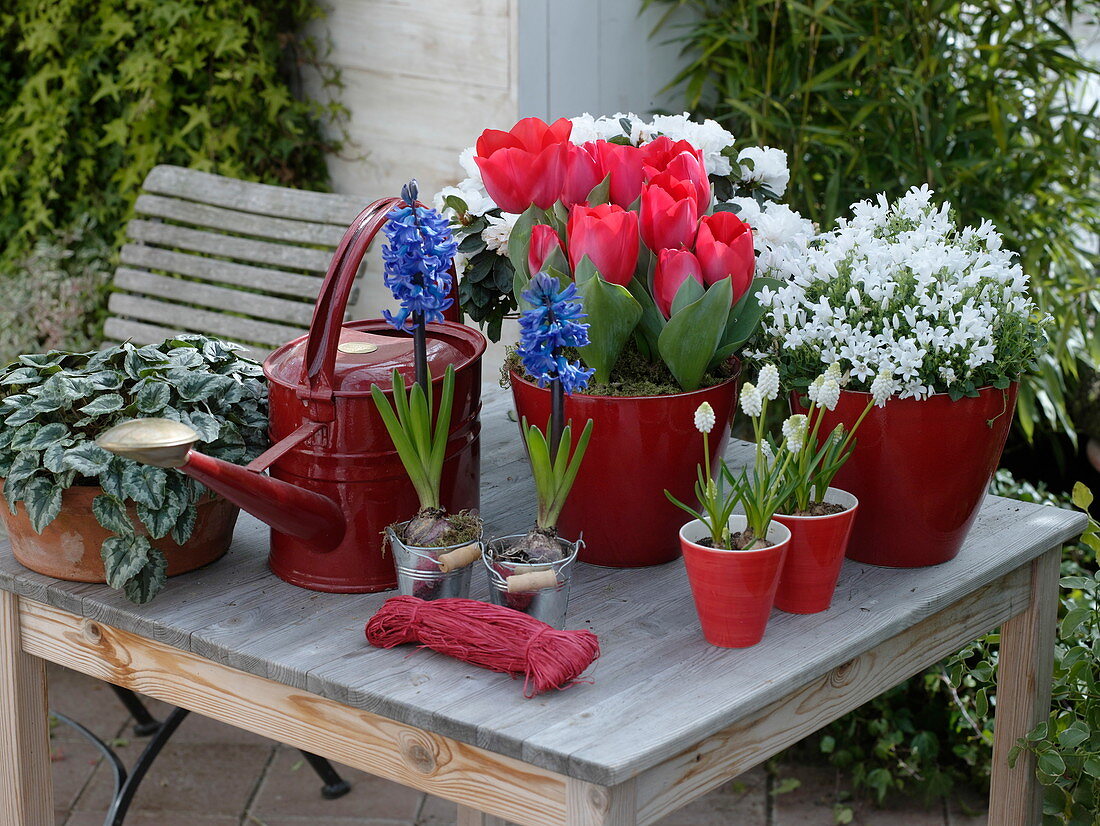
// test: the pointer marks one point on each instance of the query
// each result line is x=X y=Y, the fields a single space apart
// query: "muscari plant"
x=552 y=323
x=417 y=272
x=55 y=403
x=716 y=500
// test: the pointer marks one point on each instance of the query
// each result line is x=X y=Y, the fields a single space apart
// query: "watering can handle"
x=328 y=315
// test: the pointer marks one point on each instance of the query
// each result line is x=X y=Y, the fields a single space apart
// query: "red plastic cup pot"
x=815 y=556
x=733 y=590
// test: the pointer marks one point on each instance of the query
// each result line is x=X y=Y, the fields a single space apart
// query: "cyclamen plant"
x=552 y=323
x=575 y=197
x=906 y=302
x=417 y=263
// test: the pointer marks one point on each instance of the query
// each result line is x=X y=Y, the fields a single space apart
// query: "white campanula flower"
x=767 y=382
x=794 y=432
x=766 y=166
x=498 y=232
x=704 y=418
x=752 y=402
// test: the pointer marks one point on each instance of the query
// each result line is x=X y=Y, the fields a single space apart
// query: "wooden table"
x=668 y=718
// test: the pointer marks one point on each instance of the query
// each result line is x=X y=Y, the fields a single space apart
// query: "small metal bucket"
x=422 y=573
x=548 y=603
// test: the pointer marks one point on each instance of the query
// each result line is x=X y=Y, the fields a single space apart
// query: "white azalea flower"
x=499 y=231
x=766 y=166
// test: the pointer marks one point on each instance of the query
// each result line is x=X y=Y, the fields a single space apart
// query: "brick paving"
x=211 y=774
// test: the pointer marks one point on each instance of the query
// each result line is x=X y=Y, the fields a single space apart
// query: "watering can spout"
x=287 y=508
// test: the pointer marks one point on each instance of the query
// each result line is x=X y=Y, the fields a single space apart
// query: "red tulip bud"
x=624 y=165
x=544 y=240
x=657 y=154
x=673 y=268
x=582 y=173
x=608 y=235
x=525 y=165
x=724 y=248
x=668 y=213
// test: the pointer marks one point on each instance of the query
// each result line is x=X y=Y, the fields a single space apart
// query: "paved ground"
x=215 y=775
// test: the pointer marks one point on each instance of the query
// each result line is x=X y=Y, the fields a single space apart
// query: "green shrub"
x=977 y=100
x=94 y=93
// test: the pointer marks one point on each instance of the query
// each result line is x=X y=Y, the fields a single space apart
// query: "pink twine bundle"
x=487 y=635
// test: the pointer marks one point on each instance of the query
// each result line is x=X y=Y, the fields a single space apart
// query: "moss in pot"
x=55 y=403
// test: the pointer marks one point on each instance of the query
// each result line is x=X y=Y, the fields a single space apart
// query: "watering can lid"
x=369 y=351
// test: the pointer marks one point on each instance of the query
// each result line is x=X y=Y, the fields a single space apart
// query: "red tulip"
x=582 y=173
x=674 y=267
x=525 y=165
x=608 y=235
x=723 y=246
x=669 y=213
x=687 y=167
x=530 y=134
x=544 y=240
x=624 y=164
x=657 y=154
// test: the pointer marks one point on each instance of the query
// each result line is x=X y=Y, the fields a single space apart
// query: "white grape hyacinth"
x=704 y=418
x=752 y=402
x=795 y=430
x=768 y=382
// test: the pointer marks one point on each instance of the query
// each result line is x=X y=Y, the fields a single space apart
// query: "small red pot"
x=816 y=555
x=920 y=470
x=640 y=446
x=733 y=590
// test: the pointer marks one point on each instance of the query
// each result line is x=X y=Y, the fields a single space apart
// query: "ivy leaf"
x=153 y=396
x=148 y=582
x=48 y=436
x=124 y=557
x=111 y=514
x=144 y=484
x=1051 y=764
x=42 y=498
x=107 y=403
x=1082 y=496
x=87 y=459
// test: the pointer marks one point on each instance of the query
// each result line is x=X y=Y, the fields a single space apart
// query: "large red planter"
x=640 y=446
x=815 y=557
x=920 y=470
x=733 y=590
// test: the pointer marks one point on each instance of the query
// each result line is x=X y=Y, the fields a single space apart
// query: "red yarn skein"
x=487 y=635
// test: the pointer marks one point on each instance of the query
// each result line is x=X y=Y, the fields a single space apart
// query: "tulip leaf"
x=585 y=270
x=652 y=322
x=601 y=192
x=613 y=313
x=519 y=286
x=519 y=241
x=692 y=335
x=688 y=293
x=743 y=319
x=557 y=261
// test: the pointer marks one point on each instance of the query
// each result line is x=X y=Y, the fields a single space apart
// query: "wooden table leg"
x=1023 y=696
x=26 y=784
x=472 y=817
x=590 y=805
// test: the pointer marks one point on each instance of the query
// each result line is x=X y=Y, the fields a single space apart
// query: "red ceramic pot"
x=815 y=557
x=640 y=446
x=920 y=470
x=733 y=590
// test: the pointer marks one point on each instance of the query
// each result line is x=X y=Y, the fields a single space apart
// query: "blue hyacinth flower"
x=417 y=261
x=552 y=323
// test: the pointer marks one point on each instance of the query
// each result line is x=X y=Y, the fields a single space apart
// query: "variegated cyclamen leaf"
x=87 y=459
x=153 y=396
x=101 y=405
x=149 y=581
x=207 y=426
x=21 y=375
x=111 y=514
x=21 y=415
x=161 y=520
x=144 y=484
x=184 y=526
x=54 y=457
x=110 y=479
x=42 y=499
x=25 y=464
x=50 y=435
x=123 y=557
x=21 y=437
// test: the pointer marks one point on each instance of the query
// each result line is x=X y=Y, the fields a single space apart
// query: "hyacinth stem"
x=420 y=352
x=557 y=415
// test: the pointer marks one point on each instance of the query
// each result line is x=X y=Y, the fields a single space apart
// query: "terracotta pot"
x=733 y=590
x=920 y=470
x=640 y=446
x=816 y=555
x=68 y=548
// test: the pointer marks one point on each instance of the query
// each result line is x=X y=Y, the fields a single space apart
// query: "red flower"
x=624 y=164
x=669 y=213
x=608 y=235
x=658 y=153
x=525 y=165
x=544 y=240
x=582 y=173
x=687 y=167
x=674 y=267
x=723 y=246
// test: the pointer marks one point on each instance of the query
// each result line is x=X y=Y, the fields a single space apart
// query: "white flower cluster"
x=704 y=418
x=766 y=166
x=779 y=234
x=707 y=136
x=766 y=388
x=909 y=304
x=824 y=391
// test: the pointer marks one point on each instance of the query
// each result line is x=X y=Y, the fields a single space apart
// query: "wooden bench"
x=224 y=257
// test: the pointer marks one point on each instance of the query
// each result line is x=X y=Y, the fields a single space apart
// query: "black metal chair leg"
x=145 y=723
x=117 y=813
x=334 y=785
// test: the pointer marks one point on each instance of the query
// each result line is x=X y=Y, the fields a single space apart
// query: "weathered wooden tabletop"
x=659 y=688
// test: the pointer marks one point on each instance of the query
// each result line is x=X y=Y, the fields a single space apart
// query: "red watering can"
x=335 y=479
